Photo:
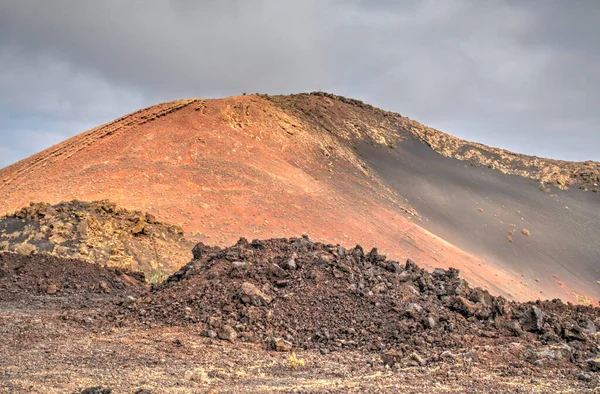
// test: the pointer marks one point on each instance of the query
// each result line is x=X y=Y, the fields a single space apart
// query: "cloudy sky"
x=522 y=75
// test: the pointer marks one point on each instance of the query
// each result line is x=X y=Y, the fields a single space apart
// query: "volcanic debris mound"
x=32 y=275
x=98 y=232
x=295 y=292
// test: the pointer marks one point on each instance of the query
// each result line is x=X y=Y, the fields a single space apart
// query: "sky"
x=520 y=75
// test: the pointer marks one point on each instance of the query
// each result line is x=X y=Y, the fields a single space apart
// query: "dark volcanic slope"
x=485 y=212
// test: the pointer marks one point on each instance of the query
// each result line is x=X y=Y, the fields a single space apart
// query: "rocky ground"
x=98 y=232
x=38 y=279
x=282 y=315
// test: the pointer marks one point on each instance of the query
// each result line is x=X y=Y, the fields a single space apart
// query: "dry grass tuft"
x=525 y=232
x=294 y=362
x=510 y=239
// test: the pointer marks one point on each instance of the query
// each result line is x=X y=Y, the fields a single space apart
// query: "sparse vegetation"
x=509 y=238
x=156 y=275
x=294 y=362
x=525 y=232
x=583 y=299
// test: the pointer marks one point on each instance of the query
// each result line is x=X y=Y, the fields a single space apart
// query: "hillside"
x=273 y=166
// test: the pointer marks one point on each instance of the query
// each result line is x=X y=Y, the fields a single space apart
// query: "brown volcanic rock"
x=338 y=299
x=98 y=232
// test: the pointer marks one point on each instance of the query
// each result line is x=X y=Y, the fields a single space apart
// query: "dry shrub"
x=294 y=362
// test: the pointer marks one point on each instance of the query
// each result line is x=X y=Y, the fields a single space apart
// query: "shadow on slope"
x=489 y=214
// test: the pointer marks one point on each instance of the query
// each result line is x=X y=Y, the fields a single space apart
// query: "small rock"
x=139 y=226
x=430 y=322
x=104 y=287
x=276 y=271
x=420 y=360
x=51 y=289
x=533 y=320
x=280 y=345
x=439 y=272
x=404 y=276
x=227 y=333
x=585 y=377
x=594 y=365
x=97 y=390
x=25 y=249
x=589 y=327
x=290 y=263
x=250 y=294
x=391 y=357
x=394 y=267
x=465 y=307
x=447 y=355
x=411 y=266
x=239 y=264
x=378 y=288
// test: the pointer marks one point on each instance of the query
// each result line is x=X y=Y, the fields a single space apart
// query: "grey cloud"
x=519 y=75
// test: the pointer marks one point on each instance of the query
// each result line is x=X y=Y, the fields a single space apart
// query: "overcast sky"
x=522 y=75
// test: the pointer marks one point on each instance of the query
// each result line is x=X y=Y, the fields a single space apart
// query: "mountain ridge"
x=266 y=166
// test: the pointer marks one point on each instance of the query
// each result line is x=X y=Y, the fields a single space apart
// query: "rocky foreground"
x=295 y=293
x=285 y=315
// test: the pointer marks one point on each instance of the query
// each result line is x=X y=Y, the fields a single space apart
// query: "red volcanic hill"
x=340 y=171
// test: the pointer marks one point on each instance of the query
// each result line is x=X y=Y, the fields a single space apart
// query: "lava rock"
x=250 y=294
